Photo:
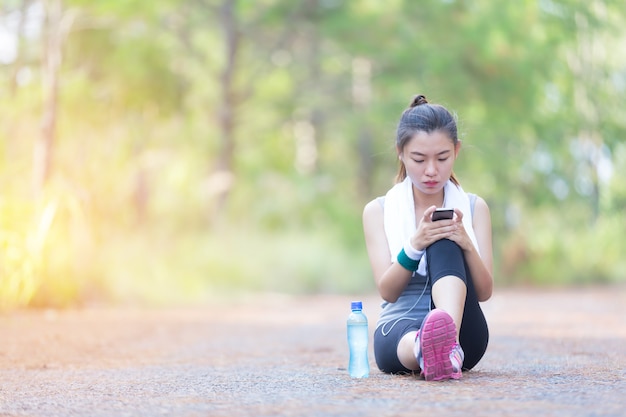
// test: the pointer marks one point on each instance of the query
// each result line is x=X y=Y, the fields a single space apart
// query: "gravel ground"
x=558 y=352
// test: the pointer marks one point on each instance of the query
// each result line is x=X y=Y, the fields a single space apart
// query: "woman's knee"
x=445 y=258
x=444 y=246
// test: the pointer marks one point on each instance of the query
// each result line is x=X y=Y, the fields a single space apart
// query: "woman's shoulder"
x=374 y=207
x=478 y=200
x=479 y=207
x=378 y=201
x=475 y=198
x=477 y=204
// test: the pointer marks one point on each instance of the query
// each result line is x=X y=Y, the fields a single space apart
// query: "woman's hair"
x=421 y=116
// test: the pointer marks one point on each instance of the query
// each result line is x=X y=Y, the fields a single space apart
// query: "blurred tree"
x=58 y=22
x=277 y=115
x=238 y=56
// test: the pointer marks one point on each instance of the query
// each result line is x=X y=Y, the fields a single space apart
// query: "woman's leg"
x=474 y=334
x=391 y=351
x=447 y=272
x=453 y=291
x=406 y=351
x=449 y=294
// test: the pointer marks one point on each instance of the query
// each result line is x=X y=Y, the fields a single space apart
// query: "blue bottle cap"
x=357 y=305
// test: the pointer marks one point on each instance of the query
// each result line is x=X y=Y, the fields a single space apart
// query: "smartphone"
x=443 y=213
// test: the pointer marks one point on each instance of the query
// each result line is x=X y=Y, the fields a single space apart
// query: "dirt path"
x=551 y=353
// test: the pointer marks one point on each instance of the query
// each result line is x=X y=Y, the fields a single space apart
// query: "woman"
x=430 y=273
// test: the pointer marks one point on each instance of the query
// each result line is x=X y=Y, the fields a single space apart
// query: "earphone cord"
x=386 y=332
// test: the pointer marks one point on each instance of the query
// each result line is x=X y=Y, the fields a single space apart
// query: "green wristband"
x=406 y=262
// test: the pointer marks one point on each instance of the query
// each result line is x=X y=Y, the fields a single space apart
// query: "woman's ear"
x=457 y=148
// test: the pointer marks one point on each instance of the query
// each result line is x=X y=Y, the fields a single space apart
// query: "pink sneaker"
x=436 y=350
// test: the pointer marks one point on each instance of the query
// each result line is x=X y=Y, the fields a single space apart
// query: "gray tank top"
x=414 y=302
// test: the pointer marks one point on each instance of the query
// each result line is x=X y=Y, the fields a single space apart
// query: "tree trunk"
x=57 y=25
x=51 y=63
x=361 y=98
x=586 y=106
x=229 y=102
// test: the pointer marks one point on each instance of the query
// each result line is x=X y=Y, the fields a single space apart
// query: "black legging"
x=446 y=258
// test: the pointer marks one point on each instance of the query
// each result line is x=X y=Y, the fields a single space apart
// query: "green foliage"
x=551 y=252
x=135 y=211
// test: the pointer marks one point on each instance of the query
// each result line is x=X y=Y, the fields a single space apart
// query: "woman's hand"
x=460 y=236
x=429 y=231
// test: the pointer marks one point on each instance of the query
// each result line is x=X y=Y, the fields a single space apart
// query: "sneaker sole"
x=438 y=337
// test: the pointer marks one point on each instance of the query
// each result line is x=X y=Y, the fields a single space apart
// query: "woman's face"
x=429 y=159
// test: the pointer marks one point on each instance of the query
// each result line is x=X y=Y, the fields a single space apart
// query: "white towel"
x=399 y=215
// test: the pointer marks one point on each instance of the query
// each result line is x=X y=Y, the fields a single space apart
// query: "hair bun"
x=418 y=100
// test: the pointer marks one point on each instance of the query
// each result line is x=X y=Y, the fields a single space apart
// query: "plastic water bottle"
x=358 y=338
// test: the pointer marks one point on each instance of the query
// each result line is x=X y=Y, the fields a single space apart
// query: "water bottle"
x=358 y=338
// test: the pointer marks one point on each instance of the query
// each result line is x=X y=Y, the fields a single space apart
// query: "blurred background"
x=161 y=152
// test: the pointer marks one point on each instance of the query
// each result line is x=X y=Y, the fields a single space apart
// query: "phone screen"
x=441 y=214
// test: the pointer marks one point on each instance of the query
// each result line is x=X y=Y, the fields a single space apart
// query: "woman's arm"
x=391 y=278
